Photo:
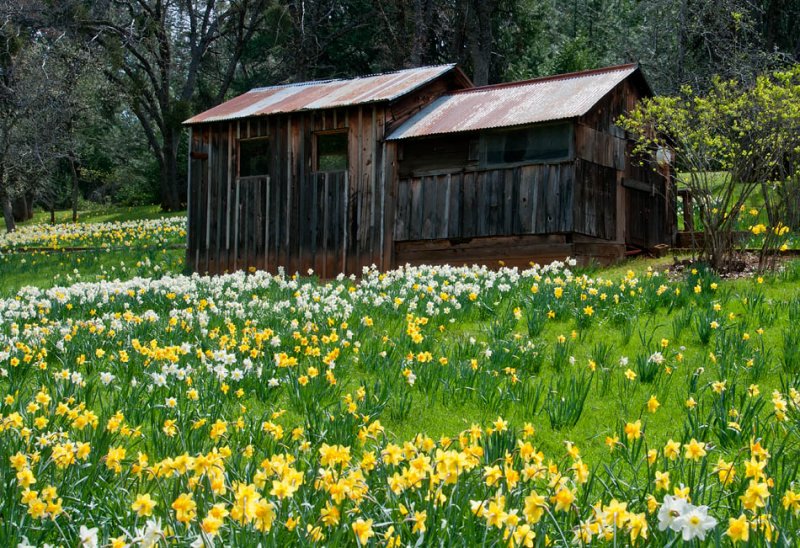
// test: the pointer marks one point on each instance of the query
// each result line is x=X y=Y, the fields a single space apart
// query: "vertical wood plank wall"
x=646 y=208
x=293 y=217
x=534 y=199
x=595 y=206
x=334 y=222
x=642 y=209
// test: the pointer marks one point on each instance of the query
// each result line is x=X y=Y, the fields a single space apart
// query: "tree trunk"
x=459 y=32
x=423 y=11
x=681 y=31
x=20 y=208
x=8 y=214
x=482 y=41
x=29 y=211
x=715 y=253
x=5 y=202
x=775 y=11
x=75 y=194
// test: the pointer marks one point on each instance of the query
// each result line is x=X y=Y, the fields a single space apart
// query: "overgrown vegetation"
x=731 y=142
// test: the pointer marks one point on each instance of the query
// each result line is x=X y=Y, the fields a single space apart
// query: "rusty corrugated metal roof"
x=517 y=103
x=322 y=94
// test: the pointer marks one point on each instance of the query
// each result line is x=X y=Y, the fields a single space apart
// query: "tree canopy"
x=731 y=141
x=92 y=94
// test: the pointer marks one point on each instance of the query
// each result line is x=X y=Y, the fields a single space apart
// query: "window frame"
x=484 y=146
x=315 y=149
x=239 y=157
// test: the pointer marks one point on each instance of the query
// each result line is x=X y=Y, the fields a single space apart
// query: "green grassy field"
x=51 y=268
x=114 y=243
x=425 y=406
x=104 y=214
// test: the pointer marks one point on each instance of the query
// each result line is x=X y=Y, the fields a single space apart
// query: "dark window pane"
x=549 y=143
x=528 y=145
x=516 y=146
x=253 y=157
x=332 y=152
x=495 y=148
x=438 y=154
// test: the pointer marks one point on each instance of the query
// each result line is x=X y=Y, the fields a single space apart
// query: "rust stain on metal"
x=321 y=94
x=516 y=103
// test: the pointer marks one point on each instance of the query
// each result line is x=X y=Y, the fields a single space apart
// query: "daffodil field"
x=422 y=406
x=63 y=254
x=135 y=233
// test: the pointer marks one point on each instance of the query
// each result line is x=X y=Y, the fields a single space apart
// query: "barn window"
x=331 y=151
x=535 y=144
x=439 y=154
x=253 y=157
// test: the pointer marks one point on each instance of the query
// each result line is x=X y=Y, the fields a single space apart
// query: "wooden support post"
x=208 y=199
x=190 y=213
x=346 y=218
x=236 y=230
x=266 y=224
x=688 y=210
x=325 y=205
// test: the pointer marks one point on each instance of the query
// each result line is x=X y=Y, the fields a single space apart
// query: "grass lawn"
x=51 y=268
x=430 y=406
x=105 y=214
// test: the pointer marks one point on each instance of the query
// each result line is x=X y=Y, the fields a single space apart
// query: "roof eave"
x=190 y=121
x=635 y=73
x=478 y=130
x=540 y=79
x=198 y=119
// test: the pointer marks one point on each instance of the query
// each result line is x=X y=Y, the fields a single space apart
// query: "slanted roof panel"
x=321 y=95
x=518 y=103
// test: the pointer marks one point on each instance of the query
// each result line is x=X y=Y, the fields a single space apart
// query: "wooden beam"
x=208 y=197
x=638 y=185
x=345 y=219
x=287 y=239
x=189 y=212
x=266 y=224
x=236 y=229
x=231 y=177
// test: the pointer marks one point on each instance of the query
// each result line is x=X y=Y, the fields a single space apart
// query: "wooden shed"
x=528 y=170
x=418 y=166
x=300 y=176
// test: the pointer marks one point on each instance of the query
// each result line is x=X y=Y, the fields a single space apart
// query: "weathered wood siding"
x=647 y=207
x=364 y=219
x=615 y=198
x=600 y=147
x=404 y=107
x=532 y=199
x=441 y=207
x=296 y=218
x=439 y=155
x=595 y=204
x=517 y=251
x=293 y=218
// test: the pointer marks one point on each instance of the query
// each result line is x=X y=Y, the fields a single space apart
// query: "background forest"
x=93 y=93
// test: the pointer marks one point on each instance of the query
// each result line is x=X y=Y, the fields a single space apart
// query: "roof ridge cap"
x=550 y=78
x=359 y=77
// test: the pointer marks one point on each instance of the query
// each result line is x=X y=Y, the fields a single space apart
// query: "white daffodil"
x=695 y=523
x=88 y=537
x=672 y=509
